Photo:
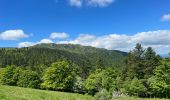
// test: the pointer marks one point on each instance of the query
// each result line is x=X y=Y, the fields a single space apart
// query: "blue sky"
x=110 y=24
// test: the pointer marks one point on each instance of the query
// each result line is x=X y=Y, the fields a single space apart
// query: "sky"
x=110 y=24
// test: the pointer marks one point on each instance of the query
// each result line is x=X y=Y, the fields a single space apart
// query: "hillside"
x=108 y=57
x=18 y=93
x=76 y=48
x=44 y=54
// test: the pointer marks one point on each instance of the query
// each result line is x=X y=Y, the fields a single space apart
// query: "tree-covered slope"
x=108 y=57
x=85 y=57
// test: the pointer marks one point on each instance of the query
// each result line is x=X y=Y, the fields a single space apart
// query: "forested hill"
x=94 y=55
x=44 y=54
x=76 y=48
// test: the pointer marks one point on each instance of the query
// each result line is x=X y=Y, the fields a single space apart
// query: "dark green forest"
x=85 y=69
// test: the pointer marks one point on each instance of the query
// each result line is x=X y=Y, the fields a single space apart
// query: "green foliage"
x=59 y=76
x=36 y=58
x=94 y=82
x=83 y=69
x=16 y=76
x=140 y=63
x=79 y=85
x=134 y=87
x=28 y=79
x=9 y=76
x=102 y=95
x=101 y=79
x=160 y=82
x=151 y=61
x=39 y=69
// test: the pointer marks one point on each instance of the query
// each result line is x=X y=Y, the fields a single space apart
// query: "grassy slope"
x=133 y=98
x=17 y=93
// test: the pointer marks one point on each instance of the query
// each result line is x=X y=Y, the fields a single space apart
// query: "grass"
x=18 y=93
x=133 y=98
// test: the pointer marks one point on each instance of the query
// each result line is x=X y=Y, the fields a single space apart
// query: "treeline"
x=144 y=74
x=43 y=55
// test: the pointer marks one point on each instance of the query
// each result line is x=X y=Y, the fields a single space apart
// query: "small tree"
x=160 y=82
x=9 y=75
x=134 y=87
x=94 y=82
x=101 y=79
x=59 y=76
x=28 y=79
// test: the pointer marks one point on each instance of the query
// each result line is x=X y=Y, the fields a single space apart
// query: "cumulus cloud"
x=94 y=3
x=56 y=35
x=111 y=41
x=13 y=35
x=100 y=3
x=123 y=42
x=28 y=44
x=46 y=41
x=160 y=37
x=166 y=17
x=77 y=3
x=25 y=44
x=159 y=40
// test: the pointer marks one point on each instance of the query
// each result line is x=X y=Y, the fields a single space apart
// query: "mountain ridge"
x=86 y=57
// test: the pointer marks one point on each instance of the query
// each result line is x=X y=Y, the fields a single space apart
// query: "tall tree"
x=151 y=60
x=140 y=63
x=134 y=64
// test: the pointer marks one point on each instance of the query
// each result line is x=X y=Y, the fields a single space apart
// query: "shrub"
x=60 y=76
x=134 y=87
x=102 y=95
x=79 y=85
x=9 y=75
x=101 y=79
x=28 y=79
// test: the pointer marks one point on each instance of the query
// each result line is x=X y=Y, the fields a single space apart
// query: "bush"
x=102 y=95
x=78 y=85
x=101 y=79
x=60 y=76
x=9 y=75
x=28 y=79
x=134 y=87
x=160 y=82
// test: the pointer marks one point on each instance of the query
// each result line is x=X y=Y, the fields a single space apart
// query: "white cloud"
x=45 y=41
x=77 y=3
x=156 y=39
x=100 y=3
x=160 y=37
x=94 y=3
x=28 y=44
x=166 y=17
x=25 y=44
x=13 y=35
x=56 y=35
x=112 y=41
x=159 y=40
